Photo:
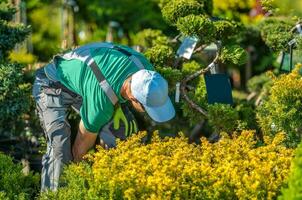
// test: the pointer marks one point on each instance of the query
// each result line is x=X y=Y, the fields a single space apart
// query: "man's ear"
x=132 y=98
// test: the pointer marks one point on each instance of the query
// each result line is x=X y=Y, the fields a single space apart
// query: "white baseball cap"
x=151 y=90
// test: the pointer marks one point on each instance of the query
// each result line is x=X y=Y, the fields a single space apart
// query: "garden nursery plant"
x=236 y=167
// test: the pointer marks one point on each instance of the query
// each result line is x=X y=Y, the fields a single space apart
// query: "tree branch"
x=183 y=84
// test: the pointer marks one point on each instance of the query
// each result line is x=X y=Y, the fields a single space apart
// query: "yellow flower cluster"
x=170 y=168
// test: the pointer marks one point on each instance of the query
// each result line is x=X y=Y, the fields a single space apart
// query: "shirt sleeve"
x=96 y=111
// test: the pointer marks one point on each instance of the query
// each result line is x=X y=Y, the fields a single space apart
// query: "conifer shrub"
x=198 y=26
x=14 y=91
x=281 y=111
x=159 y=55
x=174 y=10
x=14 y=185
x=236 y=167
x=276 y=32
x=219 y=114
x=14 y=96
x=233 y=54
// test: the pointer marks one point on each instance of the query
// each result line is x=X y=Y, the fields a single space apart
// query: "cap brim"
x=161 y=113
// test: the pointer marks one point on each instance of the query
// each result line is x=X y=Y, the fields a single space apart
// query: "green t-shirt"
x=97 y=109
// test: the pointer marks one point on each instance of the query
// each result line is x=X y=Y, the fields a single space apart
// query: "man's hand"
x=124 y=116
x=83 y=142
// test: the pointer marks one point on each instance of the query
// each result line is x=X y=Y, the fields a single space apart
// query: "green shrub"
x=176 y=9
x=247 y=115
x=171 y=75
x=198 y=95
x=226 y=30
x=282 y=109
x=294 y=189
x=14 y=92
x=233 y=54
x=276 y=33
x=14 y=97
x=198 y=26
x=160 y=55
x=10 y=33
x=13 y=183
x=223 y=118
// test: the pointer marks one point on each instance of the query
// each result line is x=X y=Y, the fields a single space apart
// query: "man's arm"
x=83 y=142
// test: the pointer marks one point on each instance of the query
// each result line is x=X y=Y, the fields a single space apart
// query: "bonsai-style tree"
x=14 y=93
x=193 y=19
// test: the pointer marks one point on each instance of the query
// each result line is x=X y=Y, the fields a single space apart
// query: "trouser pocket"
x=51 y=97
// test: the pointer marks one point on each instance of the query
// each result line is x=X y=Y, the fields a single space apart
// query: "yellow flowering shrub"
x=171 y=168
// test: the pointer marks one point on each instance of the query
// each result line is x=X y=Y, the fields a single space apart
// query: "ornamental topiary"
x=171 y=168
x=13 y=183
x=194 y=18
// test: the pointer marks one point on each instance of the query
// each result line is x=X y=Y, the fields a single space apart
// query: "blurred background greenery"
x=62 y=24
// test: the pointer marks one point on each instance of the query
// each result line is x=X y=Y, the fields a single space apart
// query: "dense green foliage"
x=14 y=98
x=14 y=185
x=223 y=118
x=160 y=55
x=258 y=83
x=171 y=75
x=10 y=34
x=276 y=32
x=198 y=26
x=294 y=189
x=281 y=110
x=14 y=92
x=174 y=10
x=132 y=15
x=233 y=54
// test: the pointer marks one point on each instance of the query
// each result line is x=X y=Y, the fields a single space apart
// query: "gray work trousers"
x=52 y=104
